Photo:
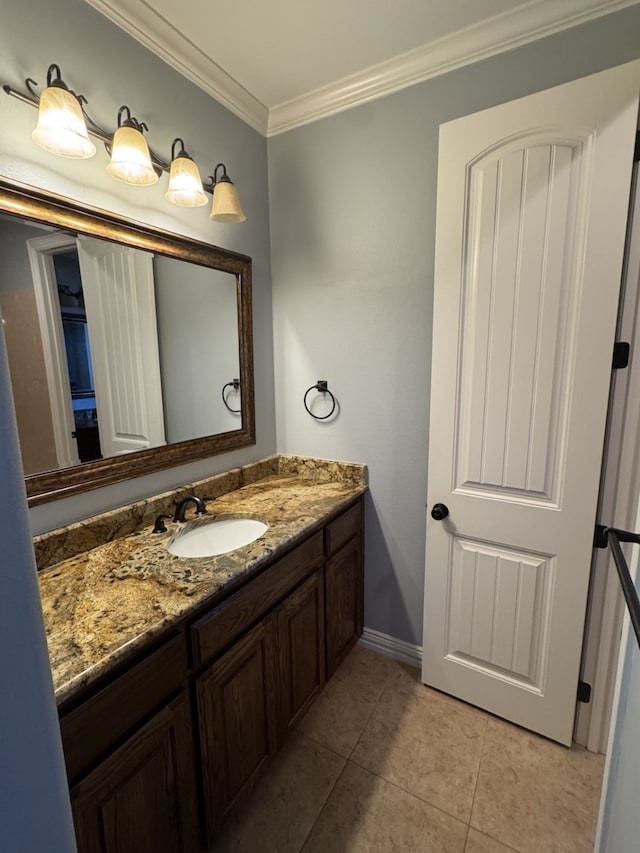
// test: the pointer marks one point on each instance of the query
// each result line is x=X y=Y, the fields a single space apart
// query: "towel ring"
x=323 y=386
x=235 y=384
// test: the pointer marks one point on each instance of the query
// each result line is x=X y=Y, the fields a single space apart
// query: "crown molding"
x=146 y=26
x=534 y=20
x=503 y=32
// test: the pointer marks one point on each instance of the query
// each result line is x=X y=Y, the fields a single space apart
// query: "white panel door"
x=532 y=207
x=121 y=317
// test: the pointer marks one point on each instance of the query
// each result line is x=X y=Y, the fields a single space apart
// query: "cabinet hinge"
x=620 y=355
x=584 y=692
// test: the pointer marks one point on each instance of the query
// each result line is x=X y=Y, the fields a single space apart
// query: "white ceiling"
x=282 y=49
x=281 y=63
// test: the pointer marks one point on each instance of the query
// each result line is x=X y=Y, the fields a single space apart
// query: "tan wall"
x=28 y=380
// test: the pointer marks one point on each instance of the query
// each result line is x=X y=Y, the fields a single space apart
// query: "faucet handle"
x=159 y=525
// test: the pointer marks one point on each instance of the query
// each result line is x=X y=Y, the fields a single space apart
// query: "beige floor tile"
x=535 y=795
x=426 y=743
x=285 y=803
x=477 y=842
x=342 y=710
x=365 y=814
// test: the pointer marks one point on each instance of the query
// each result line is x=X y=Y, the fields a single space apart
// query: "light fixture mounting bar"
x=32 y=98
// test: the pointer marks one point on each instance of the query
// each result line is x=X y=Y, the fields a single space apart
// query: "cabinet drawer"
x=218 y=629
x=99 y=723
x=343 y=528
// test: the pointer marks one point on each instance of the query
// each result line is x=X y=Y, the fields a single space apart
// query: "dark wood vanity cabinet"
x=237 y=716
x=344 y=585
x=300 y=651
x=251 y=695
x=185 y=733
x=142 y=799
x=131 y=762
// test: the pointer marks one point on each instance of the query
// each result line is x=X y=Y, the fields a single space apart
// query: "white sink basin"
x=217 y=537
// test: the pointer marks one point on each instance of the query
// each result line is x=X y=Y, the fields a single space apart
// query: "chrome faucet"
x=201 y=509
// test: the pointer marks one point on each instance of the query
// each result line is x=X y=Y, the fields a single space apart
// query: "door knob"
x=439 y=512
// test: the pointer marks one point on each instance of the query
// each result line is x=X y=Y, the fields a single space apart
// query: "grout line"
x=497 y=840
x=369 y=718
x=475 y=791
x=324 y=804
x=466 y=838
x=475 y=787
x=324 y=746
x=346 y=761
x=410 y=793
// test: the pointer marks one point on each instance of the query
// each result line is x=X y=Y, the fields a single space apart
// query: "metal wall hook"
x=235 y=384
x=323 y=387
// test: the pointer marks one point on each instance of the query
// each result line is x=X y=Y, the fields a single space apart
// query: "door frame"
x=41 y=250
x=618 y=503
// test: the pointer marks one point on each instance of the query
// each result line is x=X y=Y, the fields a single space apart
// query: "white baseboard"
x=391 y=647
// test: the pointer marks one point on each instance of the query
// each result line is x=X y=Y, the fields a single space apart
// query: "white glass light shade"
x=130 y=160
x=226 y=204
x=185 y=184
x=61 y=128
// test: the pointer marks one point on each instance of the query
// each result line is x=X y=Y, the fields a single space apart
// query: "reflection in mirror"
x=198 y=343
x=119 y=348
x=134 y=348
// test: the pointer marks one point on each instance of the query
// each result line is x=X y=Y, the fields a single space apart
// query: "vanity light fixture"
x=226 y=204
x=185 y=185
x=130 y=158
x=61 y=127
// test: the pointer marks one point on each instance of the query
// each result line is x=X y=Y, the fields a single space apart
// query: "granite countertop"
x=102 y=605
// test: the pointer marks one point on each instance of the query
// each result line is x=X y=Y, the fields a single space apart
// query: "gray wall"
x=111 y=69
x=353 y=226
x=34 y=805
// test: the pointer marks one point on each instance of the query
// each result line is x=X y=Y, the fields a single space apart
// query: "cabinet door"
x=344 y=602
x=236 y=708
x=300 y=644
x=142 y=799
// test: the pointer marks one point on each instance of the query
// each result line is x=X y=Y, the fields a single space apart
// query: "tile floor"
x=382 y=763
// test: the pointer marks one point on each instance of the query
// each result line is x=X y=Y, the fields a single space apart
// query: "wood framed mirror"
x=130 y=348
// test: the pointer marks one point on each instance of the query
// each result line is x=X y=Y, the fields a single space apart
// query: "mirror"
x=130 y=349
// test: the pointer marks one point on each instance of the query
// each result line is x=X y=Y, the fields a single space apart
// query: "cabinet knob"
x=439 y=511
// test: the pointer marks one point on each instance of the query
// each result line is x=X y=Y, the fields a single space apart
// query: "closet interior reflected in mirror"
x=120 y=340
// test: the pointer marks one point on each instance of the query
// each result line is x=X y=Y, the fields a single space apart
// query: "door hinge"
x=636 y=151
x=584 y=692
x=620 y=355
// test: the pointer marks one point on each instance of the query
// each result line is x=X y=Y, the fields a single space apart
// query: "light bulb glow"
x=130 y=159
x=185 y=184
x=61 y=128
